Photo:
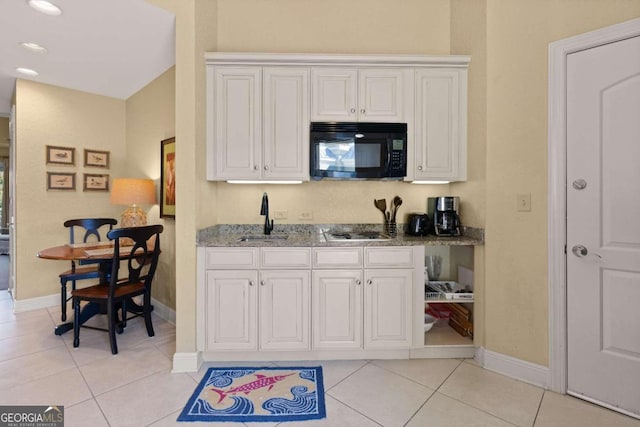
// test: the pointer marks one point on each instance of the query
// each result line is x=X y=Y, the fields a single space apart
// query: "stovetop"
x=354 y=236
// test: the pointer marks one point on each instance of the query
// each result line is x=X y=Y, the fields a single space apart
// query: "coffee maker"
x=444 y=213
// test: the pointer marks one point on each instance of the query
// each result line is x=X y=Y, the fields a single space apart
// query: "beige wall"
x=49 y=115
x=150 y=118
x=518 y=34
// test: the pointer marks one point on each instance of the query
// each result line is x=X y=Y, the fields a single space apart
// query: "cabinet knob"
x=369 y=282
x=266 y=167
x=261 y=282
x=353 y=110
x=250 y=282
x=255 y=167
x=362 y=111
x=358 y=282
x=419 y=168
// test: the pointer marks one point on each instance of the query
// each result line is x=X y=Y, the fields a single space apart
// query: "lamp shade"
x=133 y=191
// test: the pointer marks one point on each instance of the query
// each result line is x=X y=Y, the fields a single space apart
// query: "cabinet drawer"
x=285 y=257
x=389 y=257
x=231 y=258
x=337 y=257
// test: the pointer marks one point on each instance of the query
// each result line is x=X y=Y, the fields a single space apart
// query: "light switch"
x=523 y=202
x=306 y=215
x=280 y=214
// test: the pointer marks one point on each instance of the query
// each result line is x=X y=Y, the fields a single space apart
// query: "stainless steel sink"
x=264 y=238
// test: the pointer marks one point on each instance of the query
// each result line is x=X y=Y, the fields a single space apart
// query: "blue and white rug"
x=266 y=394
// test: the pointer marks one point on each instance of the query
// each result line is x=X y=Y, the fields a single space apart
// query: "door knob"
x=579 y=251
x=579 y=184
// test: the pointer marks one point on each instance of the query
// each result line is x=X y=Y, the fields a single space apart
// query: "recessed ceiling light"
x=33 y=47
x=27 y=71
x=45 y=7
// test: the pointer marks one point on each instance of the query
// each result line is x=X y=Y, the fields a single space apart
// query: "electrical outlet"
x=306 y=215
x=524 y=202
x=280 y=214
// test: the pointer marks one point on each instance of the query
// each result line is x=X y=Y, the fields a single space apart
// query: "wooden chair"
x=90 y=227
x=141 y=263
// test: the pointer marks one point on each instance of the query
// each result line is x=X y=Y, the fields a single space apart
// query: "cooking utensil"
x=381 y=204
x=397 y=201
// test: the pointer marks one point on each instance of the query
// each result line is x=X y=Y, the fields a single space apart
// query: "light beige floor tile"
x=333 y=371
x=506 y=398
x=565 y=411
x=123 y=368
x=167 y=346
x=385 y=397
x=65 y=388
x=7 y=315
x=39 y=324
x=428 y=372
x=13 y=347
x=84 y=414
x=170 y=421
x=442 y=411
x=34 y=366
x=197 y=376
x=147 y=400
x=338 y=414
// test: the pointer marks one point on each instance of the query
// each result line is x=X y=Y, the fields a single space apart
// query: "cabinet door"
x=440 y=125
x=286 y=123
x=284 y=309
x=380 y=95
x=237 y=122
x=387 y=308
x=231 y=310
x=337 y=309
x=334 y=93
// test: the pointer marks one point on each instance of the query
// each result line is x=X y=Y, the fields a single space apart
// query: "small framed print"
x=61 y=155
x=61 y=181
x=94 y=182
x=96 y=159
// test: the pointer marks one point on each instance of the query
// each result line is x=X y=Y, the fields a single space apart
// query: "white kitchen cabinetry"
x=257 y=299
x=258 y=123
x=374 y=313
x=440 y=149
x=351 y=94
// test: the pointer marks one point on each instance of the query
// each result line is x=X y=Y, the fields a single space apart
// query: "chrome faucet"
x=264 y=210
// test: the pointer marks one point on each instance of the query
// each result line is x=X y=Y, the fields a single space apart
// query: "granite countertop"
x=230 y=235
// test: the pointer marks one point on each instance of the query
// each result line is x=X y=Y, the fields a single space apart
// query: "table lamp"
x=133 y=192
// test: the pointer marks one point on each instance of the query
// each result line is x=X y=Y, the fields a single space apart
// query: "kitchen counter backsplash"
x=230 y=235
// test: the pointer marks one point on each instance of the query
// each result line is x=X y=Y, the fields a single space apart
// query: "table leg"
x=88 y=311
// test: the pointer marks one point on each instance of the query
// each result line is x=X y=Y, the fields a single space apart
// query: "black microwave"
x=350 y=150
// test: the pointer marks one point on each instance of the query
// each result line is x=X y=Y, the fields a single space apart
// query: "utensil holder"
x=391 y=228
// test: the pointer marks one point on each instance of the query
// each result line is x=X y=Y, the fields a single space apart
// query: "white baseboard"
x=186 y=362
x=515 y=368
x=36 y=303
x=53 y=300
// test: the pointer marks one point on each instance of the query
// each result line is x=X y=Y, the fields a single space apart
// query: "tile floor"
x=137 y=388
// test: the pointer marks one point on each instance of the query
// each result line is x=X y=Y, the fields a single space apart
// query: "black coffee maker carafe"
x=443 y=211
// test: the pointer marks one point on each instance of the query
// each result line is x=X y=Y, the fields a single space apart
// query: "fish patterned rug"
x=266 y=394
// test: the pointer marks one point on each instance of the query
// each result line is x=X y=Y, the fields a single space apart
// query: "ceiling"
x=111 y=48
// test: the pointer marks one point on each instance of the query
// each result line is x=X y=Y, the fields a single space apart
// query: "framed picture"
x=168 y=178
x=94 y=182
x=61 y=155
x=61 y=181
x=96 y=159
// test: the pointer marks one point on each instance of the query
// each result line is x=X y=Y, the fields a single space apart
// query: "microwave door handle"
x=388 y=158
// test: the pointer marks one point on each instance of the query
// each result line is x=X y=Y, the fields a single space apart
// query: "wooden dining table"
x=85 y=253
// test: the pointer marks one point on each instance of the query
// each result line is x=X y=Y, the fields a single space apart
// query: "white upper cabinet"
x=440 y=147
x=350 y=94
x=259 y=109
x=259 y=129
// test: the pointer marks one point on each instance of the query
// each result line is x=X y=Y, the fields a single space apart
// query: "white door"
x=337 y=308
x=334 y=93
x=387 y=308
x=286 y=123
x=603 y=224
x=284 y=309
x=231 y=320
x=380 y=95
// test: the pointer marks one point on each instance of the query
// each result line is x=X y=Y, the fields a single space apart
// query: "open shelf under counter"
x=444 y=342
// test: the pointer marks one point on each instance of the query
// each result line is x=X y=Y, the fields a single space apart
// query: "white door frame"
x=557 y=197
